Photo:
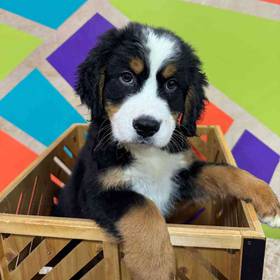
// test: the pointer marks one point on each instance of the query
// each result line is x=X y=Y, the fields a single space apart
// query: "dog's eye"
x=171 y=85
x=126 y=78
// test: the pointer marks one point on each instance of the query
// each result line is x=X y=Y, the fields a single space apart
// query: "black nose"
x=146 y=126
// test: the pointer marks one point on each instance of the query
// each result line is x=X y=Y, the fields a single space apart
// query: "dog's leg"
x=223 y=180
x=138 y=224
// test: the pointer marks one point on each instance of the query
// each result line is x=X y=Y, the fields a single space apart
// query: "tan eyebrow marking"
x=137 y=65
x=169 y=70
x=111 y=109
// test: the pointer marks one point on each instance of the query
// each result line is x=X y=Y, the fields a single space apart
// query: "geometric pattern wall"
x=44 y=41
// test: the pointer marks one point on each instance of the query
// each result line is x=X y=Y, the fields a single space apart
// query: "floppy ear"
x=195 y=99
x=91 y=74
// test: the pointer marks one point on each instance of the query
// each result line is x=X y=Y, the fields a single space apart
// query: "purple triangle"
x=256 y=157
x=73 y=51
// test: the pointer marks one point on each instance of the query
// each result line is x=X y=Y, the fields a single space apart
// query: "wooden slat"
x=75 y=260
x=213 y=237
x=200 y=145
x=51 y=227
x=14 y=244
x=208 y=265
x=112 y=261
x=235 y=266
x=4 y=272
x=203 y=129
x=38 y=258
x=188 y=268
x=124 y=271
x=218 y=261
x=97 y=273
x=82 y=129
x=88 y=230
x=219 y=138
x=205 y=237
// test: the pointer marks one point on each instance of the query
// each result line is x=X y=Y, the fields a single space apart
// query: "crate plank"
x=51 y=227
x=38 y=258
x=4 y=272
x=200 y=145
x=188 y=267
x=97 y=272
x=204 y=236
x=112 y=261
x=217 y=261
x=14 y=244
x=75 y=260
x=124 y=271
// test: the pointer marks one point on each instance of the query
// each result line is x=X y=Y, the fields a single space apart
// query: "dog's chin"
x=144 y=143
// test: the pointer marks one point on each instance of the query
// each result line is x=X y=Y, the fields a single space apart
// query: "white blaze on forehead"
x=161 y=48
x=147 y=102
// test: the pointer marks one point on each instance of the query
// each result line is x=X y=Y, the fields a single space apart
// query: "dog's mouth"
x=144 y=141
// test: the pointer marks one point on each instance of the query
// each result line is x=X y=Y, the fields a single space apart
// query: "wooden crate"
x=225 y=242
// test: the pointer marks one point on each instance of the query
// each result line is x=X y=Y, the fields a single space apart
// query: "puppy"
x=145 y=89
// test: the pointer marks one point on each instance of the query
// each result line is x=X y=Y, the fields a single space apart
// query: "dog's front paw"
x=266 y=204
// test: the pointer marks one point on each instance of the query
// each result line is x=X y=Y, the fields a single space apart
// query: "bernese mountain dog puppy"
x=145 y=89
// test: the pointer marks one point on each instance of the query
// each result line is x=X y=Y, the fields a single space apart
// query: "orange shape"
x=14 y=158
x=215 y=116
x=272 y=1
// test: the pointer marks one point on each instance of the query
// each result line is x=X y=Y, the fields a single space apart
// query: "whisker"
x=105 y=140
x=176 y=145
x=107 y=126
x=178 y=139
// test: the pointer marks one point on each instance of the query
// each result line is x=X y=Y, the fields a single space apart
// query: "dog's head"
x=146 y=81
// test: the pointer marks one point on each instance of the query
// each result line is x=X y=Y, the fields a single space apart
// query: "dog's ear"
x=195 y=98
x=91 y=73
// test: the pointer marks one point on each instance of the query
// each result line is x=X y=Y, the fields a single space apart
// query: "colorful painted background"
x=42 y=42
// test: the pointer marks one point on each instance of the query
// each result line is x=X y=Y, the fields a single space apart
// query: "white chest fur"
x=151 y=175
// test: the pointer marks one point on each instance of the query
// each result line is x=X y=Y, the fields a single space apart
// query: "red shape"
x=272 y=1
x=215 y=116
x=14 y=158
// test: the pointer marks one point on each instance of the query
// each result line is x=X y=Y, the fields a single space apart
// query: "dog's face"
x=143 y=79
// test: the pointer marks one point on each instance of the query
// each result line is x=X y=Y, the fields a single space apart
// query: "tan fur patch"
x=137 y=65
x=225 y=181
x=112 y=178
x=111 y=109
x=175 y=116
x=148 y=253
x=169 y=71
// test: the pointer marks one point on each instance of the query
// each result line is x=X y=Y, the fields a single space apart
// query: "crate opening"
x=36 y=192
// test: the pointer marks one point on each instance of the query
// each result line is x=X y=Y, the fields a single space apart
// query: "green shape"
x=271 y=232
x=241 y=53
x=15 y=46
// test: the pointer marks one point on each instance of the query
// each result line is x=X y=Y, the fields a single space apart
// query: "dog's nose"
x=146 y=126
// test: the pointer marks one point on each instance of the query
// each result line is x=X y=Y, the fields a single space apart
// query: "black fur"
x=186 y=179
